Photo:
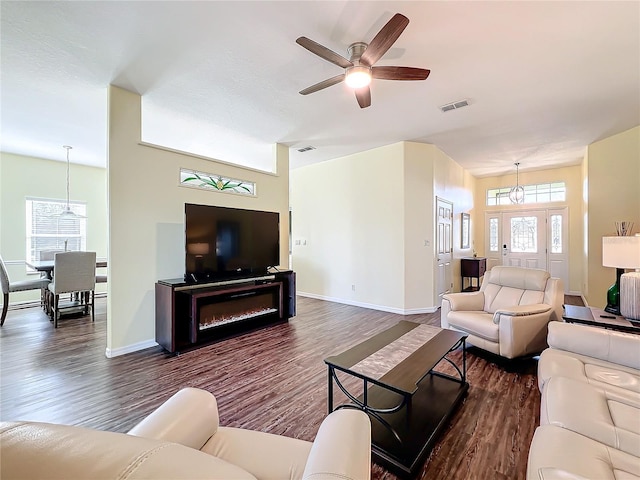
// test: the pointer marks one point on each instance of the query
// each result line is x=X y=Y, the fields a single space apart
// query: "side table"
x=599 y=318
x=472 y=267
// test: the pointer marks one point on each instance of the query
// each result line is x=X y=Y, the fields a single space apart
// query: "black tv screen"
x=223 y=242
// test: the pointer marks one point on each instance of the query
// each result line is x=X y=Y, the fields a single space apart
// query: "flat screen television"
x=223 y=243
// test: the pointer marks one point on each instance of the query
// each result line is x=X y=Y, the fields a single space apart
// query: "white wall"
x=365 y=219
x=146 y=218
x=347 y=223
x=22 y=177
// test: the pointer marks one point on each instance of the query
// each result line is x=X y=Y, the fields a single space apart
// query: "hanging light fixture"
x=516 y=194
x=67 y=212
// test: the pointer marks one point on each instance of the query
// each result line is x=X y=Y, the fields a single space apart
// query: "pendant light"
x=516 y=194
x=67 y=212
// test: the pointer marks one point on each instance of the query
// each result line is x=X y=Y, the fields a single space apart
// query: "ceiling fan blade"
x=324 y=52
x=384 y=39
x=323 y=84
x=363 y=95
x=400 y=73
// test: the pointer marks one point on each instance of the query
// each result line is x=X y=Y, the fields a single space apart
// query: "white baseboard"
x=382 y=308
x=116 y=352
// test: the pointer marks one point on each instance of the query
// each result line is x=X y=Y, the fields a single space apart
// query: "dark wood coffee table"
x=408 y=402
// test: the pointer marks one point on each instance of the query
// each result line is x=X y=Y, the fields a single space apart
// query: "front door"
x=524 y=239
x=530 y=238
x=444 y=246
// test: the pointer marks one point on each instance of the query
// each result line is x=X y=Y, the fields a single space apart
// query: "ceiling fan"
x=360 y=69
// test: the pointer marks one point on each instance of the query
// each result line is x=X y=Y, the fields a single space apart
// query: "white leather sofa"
x=589 y=379
x=182 y=439
x=508 y=316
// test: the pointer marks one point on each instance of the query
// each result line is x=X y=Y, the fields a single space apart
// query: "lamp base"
x=630 y=295
x=613 y=295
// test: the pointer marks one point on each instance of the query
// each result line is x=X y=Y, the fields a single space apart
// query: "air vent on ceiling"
x=454 y=105
x=306 y=149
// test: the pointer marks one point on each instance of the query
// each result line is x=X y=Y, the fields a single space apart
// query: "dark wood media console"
x=189 y=315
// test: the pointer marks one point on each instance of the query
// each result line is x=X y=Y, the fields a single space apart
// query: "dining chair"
x=9 y=287
x=73 y=272
x=46 y=255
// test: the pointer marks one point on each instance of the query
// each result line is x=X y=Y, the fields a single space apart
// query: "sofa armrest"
x=608 y=345
x=190 y=418
x=465 y=301
x=342 y=448
x=523 y=334
x=521 y=310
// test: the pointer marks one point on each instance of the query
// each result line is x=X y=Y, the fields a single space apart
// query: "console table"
x=189 y=315
x=597 y=317
x=472 y=267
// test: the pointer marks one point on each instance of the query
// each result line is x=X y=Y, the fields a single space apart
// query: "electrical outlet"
x=353 y=287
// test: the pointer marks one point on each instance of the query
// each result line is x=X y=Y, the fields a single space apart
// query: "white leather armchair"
x=508 y=316
x=183 y=439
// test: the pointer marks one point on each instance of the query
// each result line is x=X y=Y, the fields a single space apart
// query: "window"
x=493 y=234
x=540 y=193
x=47 y=231
x=556 y=233
x=524 y=234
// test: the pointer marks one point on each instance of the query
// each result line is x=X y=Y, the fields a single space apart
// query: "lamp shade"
x=621 y=252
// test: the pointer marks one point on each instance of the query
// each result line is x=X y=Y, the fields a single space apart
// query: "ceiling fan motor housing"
x=355 y=51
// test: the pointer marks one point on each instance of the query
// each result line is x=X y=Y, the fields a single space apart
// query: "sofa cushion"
x=519 y=278
x=233 y=445
x=560 y=454
x=509 y=286
x=609 y=376
x=479 y=324
x=593 y=412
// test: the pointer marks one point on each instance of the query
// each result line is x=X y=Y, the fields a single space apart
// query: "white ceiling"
x=544 y=79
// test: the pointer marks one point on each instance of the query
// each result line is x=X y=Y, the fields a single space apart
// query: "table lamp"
x=619 y=252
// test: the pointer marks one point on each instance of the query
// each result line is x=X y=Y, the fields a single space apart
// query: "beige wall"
x=22 y=177
x=368 y=221
x=146 y=218
x=613 y=194
x=347 y=219
x=419 y=227
x=572 y=176
x=455 y=184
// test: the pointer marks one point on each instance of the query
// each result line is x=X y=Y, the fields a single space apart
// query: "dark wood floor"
x=273 y=380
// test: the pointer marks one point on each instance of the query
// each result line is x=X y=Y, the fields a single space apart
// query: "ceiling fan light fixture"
x=358 y=76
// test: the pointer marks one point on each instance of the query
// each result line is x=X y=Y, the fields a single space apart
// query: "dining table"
x=46 y=266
